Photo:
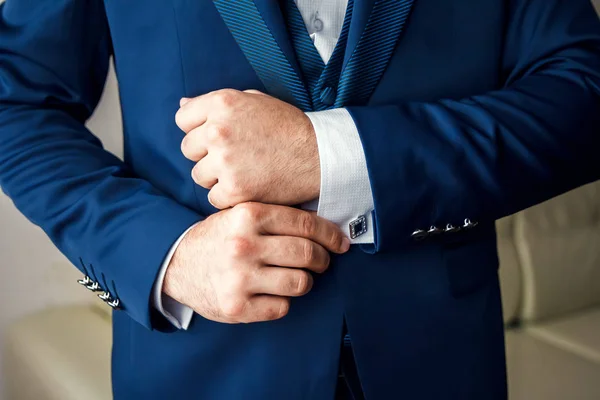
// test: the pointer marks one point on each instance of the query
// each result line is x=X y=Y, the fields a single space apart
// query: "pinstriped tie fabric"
x=322 y=80
x=357 y=80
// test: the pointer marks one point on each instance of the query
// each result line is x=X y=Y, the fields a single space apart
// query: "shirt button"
x=318 y=23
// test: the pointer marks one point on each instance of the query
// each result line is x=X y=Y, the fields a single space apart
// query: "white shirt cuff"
x=345 y=185
x=176 y=313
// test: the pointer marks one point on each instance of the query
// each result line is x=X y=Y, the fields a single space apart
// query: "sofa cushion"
x=539 y=370
x=59 y=354
x=578 y=333
x=558 y=245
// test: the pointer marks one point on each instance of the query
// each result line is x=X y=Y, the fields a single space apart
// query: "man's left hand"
x=249 y=146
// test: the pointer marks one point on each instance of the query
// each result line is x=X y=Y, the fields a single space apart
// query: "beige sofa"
x=550 y=273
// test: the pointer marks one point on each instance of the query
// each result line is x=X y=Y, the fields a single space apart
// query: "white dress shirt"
x=345 y=186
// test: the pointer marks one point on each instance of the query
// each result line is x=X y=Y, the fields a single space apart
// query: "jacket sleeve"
x=493 y=154
x=113 y=225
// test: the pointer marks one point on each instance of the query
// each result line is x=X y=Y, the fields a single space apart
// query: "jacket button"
x=451 y=228
x=419 y=234
x=94 y=287
x=85 y=281
x=104 y=296
x=434 y=231
x=115 y=304
x=468 y=224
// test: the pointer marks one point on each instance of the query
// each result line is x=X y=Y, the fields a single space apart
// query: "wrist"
x=175 y=273
x=312 y=164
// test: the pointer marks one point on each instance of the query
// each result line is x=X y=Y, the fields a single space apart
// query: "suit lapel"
x=377 y=26
x=259 y=29
x=360 y=16
x=274 y=20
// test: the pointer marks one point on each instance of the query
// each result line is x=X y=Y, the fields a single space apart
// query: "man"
x=410 y=126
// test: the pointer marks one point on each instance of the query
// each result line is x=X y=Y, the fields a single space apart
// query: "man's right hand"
x=243 y=264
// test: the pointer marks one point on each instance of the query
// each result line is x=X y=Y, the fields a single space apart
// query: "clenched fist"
x=244 y=264
x=249 y=146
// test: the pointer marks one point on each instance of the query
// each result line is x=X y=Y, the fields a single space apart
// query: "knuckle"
x=218 y=132
x=233 y=308
x=307 y=224
x=335 y=239
x=276 y=311
x=284 y=309
x=249 y=211
x=227 y=97
x=303 y=283
x=240 y=247
x=237 y=284
x=308 y=251
x=225 y=157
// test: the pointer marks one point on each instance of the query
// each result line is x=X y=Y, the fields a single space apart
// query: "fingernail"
x=183 y=101
x=345 y=244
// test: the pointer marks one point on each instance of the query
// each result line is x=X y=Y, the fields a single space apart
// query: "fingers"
x=204 y=173
x=194 y=145
x=294 y=252
x=285 y=282
x=195 y=112
x=221 y=198
x=256 y=309
x=288 y=221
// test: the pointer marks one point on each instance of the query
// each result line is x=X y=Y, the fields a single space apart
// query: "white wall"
x=33 y=274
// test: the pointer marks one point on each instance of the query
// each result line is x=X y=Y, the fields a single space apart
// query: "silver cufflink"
x=358 y=227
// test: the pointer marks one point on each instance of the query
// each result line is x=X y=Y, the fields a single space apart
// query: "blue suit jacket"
x=486 y=107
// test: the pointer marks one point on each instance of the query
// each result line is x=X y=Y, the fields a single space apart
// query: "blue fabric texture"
x=466 y=110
